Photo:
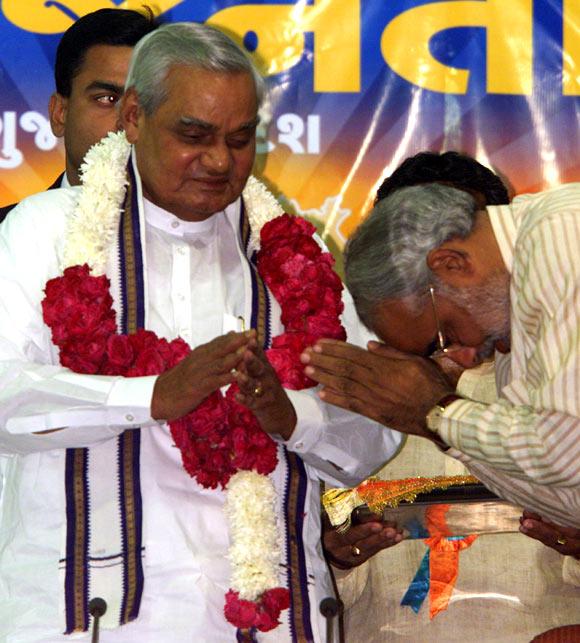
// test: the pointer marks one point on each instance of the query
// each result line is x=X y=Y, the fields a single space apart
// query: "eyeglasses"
x=441 y=343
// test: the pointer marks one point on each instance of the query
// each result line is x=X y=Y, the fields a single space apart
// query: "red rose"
x=220 y=436
x=120 y=354
x=273 y=258
x=79 y=365
x=93 y=349
x=285 y=226
x=95 y=288
x=272 y=602
x=240 y=613
x=77 y=273
x=324 y=326
x=269 y=265
x=291 y=375
x=266 y=621
x=87 y=321
x=179 y=350
x=276 y=599
x=209 y=414
x=59 y=334
x=54 y=290
x=295 y=266
x=143 y=340
x=266 y=456
x=148 y=362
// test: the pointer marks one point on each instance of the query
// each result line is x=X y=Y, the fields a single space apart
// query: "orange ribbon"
x=443 y=559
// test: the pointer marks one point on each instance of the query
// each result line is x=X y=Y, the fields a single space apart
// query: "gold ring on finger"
x=258 y=391
x=355 y=551
x=562 y=541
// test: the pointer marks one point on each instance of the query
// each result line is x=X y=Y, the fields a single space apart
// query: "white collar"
x=176 y=227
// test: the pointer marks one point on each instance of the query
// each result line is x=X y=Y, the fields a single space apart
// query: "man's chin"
x=200 y=209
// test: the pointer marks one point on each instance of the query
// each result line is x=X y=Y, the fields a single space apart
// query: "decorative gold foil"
x=378 y=494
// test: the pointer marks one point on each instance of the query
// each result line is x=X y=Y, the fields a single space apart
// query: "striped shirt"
x=526 y=445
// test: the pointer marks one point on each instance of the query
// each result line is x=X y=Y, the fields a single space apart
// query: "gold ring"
x=355 y=551
x=562 y=541
x=258 y=391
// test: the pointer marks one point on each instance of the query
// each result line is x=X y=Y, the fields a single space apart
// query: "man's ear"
x=57 y=110
x=453 y=266
x=129 y=115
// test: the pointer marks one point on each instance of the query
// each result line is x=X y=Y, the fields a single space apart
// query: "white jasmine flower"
x=255 y=549
x=261 y=206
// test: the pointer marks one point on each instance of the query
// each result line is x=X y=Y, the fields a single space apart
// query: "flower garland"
x=221 y=441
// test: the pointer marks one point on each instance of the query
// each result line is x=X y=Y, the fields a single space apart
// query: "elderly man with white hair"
x=170 y=242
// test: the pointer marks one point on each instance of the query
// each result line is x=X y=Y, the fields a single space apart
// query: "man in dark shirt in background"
x=92 y=60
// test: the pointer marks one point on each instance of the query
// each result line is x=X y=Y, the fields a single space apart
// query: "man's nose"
x=216 y=159
x=465 y=356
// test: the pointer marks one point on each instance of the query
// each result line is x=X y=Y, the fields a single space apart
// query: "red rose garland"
x=220 y=437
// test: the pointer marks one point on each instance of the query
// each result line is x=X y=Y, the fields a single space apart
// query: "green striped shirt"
x=526 y=445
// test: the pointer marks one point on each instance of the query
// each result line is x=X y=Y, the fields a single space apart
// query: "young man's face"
x=196 y=150
x=89 y=113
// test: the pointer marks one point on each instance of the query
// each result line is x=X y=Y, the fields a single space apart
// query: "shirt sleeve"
x=38 y=396
x=478 y=383
x=345 y=448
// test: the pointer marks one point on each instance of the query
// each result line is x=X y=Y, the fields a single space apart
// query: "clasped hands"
x=234 y=357
x=390 y=387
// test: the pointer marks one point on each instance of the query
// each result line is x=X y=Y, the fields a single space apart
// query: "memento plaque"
x=459 y=510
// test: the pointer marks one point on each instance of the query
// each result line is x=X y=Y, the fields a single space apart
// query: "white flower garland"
x=93 y=225
x=255 y=549
x=261 y=207
x=250 y=496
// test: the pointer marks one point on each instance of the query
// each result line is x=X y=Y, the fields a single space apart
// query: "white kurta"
x=196 y=281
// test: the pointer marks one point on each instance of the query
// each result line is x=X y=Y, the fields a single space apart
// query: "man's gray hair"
x=184 y=43
x=386 y=258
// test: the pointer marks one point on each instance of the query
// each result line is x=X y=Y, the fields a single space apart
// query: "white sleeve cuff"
x=310 y=424
x=128 y=405
x=129 y=402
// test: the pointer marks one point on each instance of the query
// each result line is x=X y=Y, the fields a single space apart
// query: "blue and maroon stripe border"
x=261 y=303
x=76 y=582
x=129 y=442
x=131 y=261
x=294 y=509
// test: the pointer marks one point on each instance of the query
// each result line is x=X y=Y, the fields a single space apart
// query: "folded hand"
x=206 y=369
x=262 y=393
x=381 y=383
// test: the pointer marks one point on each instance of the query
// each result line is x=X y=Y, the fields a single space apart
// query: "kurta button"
x=299 y=445
x=175 y=224
x=129 y=417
